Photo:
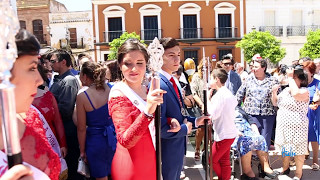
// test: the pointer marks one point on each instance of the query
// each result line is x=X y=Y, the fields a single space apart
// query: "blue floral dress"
x=250 y=140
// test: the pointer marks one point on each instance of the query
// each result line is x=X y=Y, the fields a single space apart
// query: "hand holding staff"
x=156 y=51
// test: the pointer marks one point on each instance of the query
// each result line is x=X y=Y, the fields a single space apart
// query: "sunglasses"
x=54 y=61
x=227 y=64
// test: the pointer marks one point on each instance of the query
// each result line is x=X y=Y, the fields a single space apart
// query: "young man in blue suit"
x=234 y=81
x=175 y=123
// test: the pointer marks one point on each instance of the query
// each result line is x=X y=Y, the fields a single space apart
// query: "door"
x=73 y=37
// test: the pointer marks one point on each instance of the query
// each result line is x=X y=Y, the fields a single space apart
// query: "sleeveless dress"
x=292 y=124
x=135 y=157
x=100 y=140
x=36 y=149
x=314 y=115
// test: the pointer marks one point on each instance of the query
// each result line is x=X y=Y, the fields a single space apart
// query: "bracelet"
x=148 y=116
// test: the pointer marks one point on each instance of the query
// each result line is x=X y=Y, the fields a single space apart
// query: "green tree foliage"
x=262 y=43
x=116 y=43
x=312 y=47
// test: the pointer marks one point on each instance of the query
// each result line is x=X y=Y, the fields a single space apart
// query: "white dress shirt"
x=222 y=113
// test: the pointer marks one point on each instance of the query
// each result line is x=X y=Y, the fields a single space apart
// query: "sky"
x=77 y=5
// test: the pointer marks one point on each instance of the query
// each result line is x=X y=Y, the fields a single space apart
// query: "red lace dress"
x=48 y=107
x=36 y=149
x=135 y=157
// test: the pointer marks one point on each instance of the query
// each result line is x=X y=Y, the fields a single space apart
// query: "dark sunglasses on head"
x=54 y=61
x=227 y=64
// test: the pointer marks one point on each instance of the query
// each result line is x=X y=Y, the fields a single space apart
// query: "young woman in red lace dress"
x=34 y=145
x=135 y=157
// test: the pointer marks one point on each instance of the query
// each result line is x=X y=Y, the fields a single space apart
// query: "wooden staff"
x=158 y=142
x=9 y=26
x=157 y=124
x=205 y=113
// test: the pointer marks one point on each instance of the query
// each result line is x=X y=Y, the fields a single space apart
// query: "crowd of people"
x=103 y=113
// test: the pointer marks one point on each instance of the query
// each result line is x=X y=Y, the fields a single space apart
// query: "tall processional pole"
x=9 y=26
x=205 y=113
x=156 y=51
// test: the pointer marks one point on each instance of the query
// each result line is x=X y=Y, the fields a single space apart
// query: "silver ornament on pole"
x=9 y=26
x=156 y=52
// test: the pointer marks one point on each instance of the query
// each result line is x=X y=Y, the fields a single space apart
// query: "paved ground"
x=194 y=170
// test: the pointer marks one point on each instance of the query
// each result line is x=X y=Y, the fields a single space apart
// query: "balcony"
x=301 y=30
x=150 y=34
x=274 y=30
x=190 y=33
x=109 y=36
x=226 y=32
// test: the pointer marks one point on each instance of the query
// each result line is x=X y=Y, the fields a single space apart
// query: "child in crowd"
x=222 y=111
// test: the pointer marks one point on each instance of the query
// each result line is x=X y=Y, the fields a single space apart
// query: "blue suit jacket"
x=235 y=82
x=173 y=144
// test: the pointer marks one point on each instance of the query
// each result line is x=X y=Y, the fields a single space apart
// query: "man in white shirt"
x=222 y=110
x=241 y=72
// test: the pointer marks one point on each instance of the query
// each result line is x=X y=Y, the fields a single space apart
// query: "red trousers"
x=221 y=158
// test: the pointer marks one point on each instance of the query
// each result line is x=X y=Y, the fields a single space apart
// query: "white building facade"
x=74 y=29
x=288 y=20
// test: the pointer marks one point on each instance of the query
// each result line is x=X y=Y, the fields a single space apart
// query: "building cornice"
x=131 y=2
x=33 y=6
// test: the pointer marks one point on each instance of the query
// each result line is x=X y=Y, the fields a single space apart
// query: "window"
x=23 y=24
x=115 y=28
x=190 y=26
x=150 y=27
x=193 y=55
x=270 y=24
x=269 y=18
x=150 y=21
x=73 y=37
x=225 y=20
x=190 y=21
x=224 y=25
x=115 y=22
x=38 y=30
x=296 y=28
x=316 y=17
x=223 y=52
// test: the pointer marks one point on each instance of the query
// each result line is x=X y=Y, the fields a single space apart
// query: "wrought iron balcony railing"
x=274 y=30
x=111 y=35
x=301 y=30
x=190 y=33
x=226 y=32
x=150 y=34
